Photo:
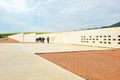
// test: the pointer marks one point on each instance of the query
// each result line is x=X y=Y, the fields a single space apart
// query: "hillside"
x=113 y=25
x=116 y=25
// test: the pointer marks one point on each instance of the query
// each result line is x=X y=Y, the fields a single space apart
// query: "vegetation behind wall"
x=5 y=35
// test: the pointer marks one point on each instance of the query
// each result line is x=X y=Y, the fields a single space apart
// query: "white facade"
x=17 y=37
x=30 y=37
x=51 y=36
x=107 y=37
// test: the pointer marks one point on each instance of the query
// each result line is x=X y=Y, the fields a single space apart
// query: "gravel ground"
x=8 y=41
x=91 y=65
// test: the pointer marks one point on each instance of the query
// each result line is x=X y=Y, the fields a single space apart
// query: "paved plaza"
x=18 y=61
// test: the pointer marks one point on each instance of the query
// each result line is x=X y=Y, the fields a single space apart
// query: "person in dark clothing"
x=37 y=40
x=43 y=39
x=48 y=39
x=40 y=39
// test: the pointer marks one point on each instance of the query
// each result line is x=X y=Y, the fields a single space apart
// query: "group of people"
x=42 y=39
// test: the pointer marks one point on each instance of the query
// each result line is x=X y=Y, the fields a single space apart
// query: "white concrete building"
x=106 y=37
x=17 y=37
x=29 y=37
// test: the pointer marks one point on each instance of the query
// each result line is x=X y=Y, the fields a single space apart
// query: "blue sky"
x=56 y=15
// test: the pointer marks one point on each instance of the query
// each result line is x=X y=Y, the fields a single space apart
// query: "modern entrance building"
x=106 y=37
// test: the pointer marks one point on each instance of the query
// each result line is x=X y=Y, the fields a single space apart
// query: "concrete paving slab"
x=18 y=63
x=42 y=48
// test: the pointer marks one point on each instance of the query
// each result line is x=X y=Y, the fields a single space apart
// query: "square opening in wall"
x=101 y=42
x=96 y=39
x=114 y=39
x=104 y=42
x=109 y=35
x=100 y=36
x=104 y=36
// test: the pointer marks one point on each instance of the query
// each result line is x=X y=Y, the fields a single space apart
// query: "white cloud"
x=20 y=6
x=38 y=29
x=11 y=20
x=58 y=14
x=77 y=7
x=50 y=1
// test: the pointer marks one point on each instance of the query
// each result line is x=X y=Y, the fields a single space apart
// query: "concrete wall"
x=51 y=36
x=30 y=37
x=17 y=37
x=107 y=37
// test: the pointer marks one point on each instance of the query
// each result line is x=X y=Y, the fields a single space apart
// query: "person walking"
x=37 y=40
x=48 y=39
x=40 y=39
x=43 y=39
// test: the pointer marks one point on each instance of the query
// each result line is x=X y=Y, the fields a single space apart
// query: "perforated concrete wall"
x=107 y=37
